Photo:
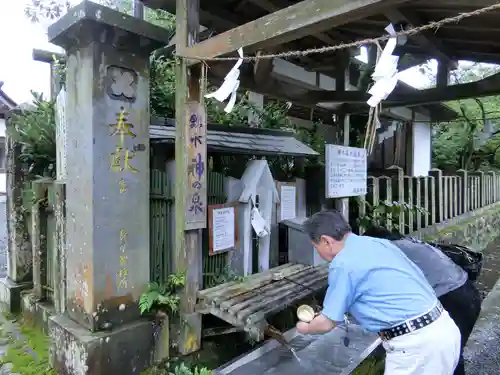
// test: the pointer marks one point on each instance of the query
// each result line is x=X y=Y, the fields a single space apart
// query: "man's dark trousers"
x=463 y=305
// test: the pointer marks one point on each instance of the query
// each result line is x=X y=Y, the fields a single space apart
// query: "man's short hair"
x=329 y=223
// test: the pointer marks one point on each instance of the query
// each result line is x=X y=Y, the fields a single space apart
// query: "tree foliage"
x=463 y=143
x=34 y=129
x=274 y=115
x=51 y=10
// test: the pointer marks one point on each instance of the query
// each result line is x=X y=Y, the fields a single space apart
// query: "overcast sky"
x=21 y=74
x=18 y=38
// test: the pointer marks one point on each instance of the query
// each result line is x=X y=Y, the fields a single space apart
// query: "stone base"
x=128 y=350
x=10 y=294
x=37 y=312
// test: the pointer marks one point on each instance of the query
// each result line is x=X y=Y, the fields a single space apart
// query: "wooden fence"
x=162 y=226
x=440 y=197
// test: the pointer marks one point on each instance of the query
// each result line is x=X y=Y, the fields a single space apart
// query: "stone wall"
x=476 y=229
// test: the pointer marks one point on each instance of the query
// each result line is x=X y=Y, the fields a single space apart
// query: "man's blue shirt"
x=377 y=284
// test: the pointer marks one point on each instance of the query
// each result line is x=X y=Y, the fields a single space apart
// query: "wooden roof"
x=6 y=103
x=471 y=39
x=237 y=139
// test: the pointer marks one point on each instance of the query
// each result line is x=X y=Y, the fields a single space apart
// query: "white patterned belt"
x=413 y=324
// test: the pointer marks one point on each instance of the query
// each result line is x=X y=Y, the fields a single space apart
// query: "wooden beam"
x=262 y=70
x=216 y=23
x=490 y=41
x=168 y=50
x=270 y=7
x=485 y=87
x=188 y=231
x=455 y=4
x=47 y=56
x=273 y=88
x=408 y=61
x=295 y=22
x=477 y=55
x=424 y=38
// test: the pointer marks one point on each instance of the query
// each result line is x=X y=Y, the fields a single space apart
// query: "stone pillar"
x=19 y=248
x=19 y=259
x=107 y=191
x=437 y=200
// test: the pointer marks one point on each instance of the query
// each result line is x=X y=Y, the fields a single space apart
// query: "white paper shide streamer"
x=259 y=224
x=230 y=85
x=386 y=73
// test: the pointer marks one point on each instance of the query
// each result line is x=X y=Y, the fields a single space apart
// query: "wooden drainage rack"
x=248 y=303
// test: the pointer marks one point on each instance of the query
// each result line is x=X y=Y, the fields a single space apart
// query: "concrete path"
x=482 y=353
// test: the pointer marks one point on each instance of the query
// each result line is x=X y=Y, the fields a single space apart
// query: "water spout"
x=278 y=336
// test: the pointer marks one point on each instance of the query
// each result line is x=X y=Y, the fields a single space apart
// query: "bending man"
x=386 y=293
x=455 y=291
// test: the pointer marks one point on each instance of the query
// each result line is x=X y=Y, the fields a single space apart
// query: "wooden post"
x=437 y=198
x=138 y=9
x=342 y=204
x=190 y=176
x=443 y=74
x=464 y=191
x=397 y=181
x=344 y=120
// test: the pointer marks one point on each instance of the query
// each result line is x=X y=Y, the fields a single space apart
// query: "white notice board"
x=288 y=202
x=223 y=229
x=346 y=171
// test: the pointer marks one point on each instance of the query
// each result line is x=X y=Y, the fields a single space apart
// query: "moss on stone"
x=370 y=366
x=463 y=226
x=21 y=351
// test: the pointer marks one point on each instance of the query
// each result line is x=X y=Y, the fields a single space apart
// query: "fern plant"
x=224 y=275
x=162 y=297
x=182 y=369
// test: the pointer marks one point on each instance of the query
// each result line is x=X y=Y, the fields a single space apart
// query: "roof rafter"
x=270 y=7
x=485 y=87
x=424 y=38
x=294 y=22
x=454 y=4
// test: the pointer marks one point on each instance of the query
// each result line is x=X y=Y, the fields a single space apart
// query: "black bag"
x=471 y=261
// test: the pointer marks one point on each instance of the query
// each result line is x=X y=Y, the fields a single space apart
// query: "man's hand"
x=320 y=324
x=302 y=327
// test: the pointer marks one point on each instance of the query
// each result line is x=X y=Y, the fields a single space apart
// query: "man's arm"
x=320 y=324
x=338 y=300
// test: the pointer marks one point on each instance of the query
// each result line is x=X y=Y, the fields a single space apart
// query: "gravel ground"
x=482 y=354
